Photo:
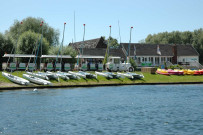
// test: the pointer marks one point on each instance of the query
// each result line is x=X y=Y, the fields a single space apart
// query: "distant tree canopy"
x=30 y=41
x=6 y=46
x=113 y=43
x=67 y=50
x=33 y=24
x=194 y=38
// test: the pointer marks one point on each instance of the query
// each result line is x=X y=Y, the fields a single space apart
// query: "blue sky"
x=146 y=16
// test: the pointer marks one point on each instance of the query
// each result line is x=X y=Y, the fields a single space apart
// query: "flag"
x=158 y=50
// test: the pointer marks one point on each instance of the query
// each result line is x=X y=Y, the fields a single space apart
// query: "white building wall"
x=188 y=58
x=151 y=59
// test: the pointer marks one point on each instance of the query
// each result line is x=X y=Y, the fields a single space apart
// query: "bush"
x=133 y=64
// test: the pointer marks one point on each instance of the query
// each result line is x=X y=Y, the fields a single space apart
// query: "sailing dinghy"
x=104 y=74
x=51 y=75
x=77 y=74
x=42 y=76
x=15 y=79
x=62 y=75
x=70 y=76
x=88 y=75
x=36 y=80
x=131 y=75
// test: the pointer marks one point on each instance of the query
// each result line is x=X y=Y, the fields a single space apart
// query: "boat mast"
x=74 y=28
x=119 y=31
x=34 y=49
x=14 y=47
x=17 y=41
x=129 y=43
x=109 y=43
x=82 y=44
x=62 y=42
x=41 y=44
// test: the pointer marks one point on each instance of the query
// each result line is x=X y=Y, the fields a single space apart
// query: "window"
x=142 y=59
x=145 y=60
x=138 y=58
x=156 y=60
x=151 y=59
x=116 y=61
x=183 y=59
x=162 y=59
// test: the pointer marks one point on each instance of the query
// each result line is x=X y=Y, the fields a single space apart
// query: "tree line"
x=194 y=38
x=25 y=36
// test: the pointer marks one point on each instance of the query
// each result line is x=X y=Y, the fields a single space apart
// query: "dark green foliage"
x=30 y=41
x=6 y=46
x=113 y=43
x=175 y=67
x=133 y=64
x=194 y=38
x=33 y=24
x=67 y=50
x=105 y=58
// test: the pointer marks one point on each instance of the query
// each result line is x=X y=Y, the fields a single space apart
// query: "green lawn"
x=149 y=78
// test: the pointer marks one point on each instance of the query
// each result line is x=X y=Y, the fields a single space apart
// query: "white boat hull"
x=15 y=79
x=62 y=76
x=125 y=75
x=52 y=75
x=136 y=76
x=104 y=74
x=77 y=74
x=131 y=75
x=70 y=76
x=38 y=75
x=36 y=80
x=88 y=75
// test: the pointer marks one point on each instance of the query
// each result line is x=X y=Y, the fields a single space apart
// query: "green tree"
x=67 y=50
x=33 y=24
x=133 y=64
x=30 y=41
x=6 y=46
x=113 y=43
x=105 y=58
x=194 y=38
x=141 y=41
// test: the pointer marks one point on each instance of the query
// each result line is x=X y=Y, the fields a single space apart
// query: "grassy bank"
x=149 y=78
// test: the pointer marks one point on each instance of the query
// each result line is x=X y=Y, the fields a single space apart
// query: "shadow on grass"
x=120 y=79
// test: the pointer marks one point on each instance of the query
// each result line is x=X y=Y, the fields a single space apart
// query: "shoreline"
x=149 y=79
x=95 y=85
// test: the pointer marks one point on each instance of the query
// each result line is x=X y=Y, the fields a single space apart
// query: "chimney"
x=174 y=58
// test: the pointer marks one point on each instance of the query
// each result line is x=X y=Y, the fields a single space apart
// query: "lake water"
x=121 y=110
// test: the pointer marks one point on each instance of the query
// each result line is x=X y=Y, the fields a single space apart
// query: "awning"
x=55 y=56
x=19 y=55
x=90 y=57
x=68 y=56
x=114 y=57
